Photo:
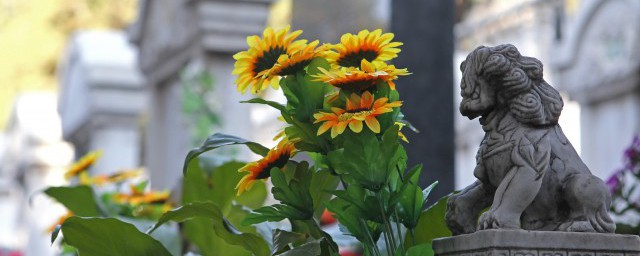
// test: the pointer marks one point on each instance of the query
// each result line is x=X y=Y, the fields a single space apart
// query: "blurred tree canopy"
x=33 y=34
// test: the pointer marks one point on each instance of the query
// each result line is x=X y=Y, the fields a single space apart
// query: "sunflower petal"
x=355 y=126
x=373 y=124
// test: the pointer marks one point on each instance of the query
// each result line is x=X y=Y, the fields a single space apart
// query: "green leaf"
x=311 y=248
x=283 y=239
x=80 y=200
x=292 y=192
x=420 y=250
x=108 y=236
x=322 y=182
x=312 y=68
x=367 y=160
x=54 y=234
x=427 y=191
x=221 y=226
x=217 y=184
x=218 y=140
x=431 y=224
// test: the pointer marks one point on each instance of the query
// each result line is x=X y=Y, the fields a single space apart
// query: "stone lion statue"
x=529 y=175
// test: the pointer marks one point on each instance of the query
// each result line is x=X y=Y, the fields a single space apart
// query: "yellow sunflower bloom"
x=363 y=79
x=137 y=197
x=371 y=46
x=102 y=179
x=83 y=164
x=359 y=109
x=262 y=55
x=277 y=157
x=291 y=64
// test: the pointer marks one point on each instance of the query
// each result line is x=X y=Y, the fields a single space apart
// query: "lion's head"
x=499 y=77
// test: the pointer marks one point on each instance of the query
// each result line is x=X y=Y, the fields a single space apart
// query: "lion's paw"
x=494 y=220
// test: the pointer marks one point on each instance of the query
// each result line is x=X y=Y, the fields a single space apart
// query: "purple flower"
x=614 y=181
x=632 y=154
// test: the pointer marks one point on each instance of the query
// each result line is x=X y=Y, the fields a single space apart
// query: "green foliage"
x=108 y=236
x=222 y=227
x=412 y=199
x=431 y=225
x=368 y=160
x=219 y=140
x=284 y=240
x=217 y=185
x=293 y=193
x=78 y=199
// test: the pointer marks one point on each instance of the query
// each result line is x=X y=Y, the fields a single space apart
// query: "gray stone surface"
x=537 y=243
x=528 y=172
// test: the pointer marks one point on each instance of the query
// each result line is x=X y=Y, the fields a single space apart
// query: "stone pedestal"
x=537 y=243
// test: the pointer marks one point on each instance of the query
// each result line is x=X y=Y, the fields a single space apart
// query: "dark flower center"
x=268 y=59
x=292 y=69
x=359 y=85
x=354 y=59
x=279 y=162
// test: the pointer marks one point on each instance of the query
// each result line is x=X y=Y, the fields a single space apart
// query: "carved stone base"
x=537 y=243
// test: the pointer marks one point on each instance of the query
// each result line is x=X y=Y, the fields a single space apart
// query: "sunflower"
x=260 y=169
x=358 y=109
x=262 y=55
x=371 y=46
x=291 y=64
x=83 y=164
x=137 y=196
x=363 y=79
x=102 y=179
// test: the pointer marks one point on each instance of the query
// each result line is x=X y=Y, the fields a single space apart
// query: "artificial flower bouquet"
x=342 y=111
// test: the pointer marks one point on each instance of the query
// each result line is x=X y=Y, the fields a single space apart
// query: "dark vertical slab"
x=426 y=28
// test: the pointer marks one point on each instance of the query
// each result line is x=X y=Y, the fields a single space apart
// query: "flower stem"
x=397 y=220
x=413 y=236
x=373 y=245
x=388 y=234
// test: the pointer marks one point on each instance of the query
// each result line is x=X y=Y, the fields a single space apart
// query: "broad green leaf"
x=80 y=200
x=431 y=225
x=295 y=201
x=322 y=182
x=420 y=250
x=221 y=226
x=427 y=191
x=217 y=185
x=311 y=248
x=218 y=140
x=283 y=239
x=108 y=236
x=368 y=160
x=312 y=68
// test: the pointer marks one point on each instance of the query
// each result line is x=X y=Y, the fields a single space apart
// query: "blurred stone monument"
x=597 y=64
x=102 y=98
x=34 y=157
x=541 y=198
x=173 y=35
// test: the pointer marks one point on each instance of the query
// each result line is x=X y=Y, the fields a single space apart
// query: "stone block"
x=537 y=243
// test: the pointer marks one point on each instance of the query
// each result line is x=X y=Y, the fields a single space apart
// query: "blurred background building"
x=145 y=80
